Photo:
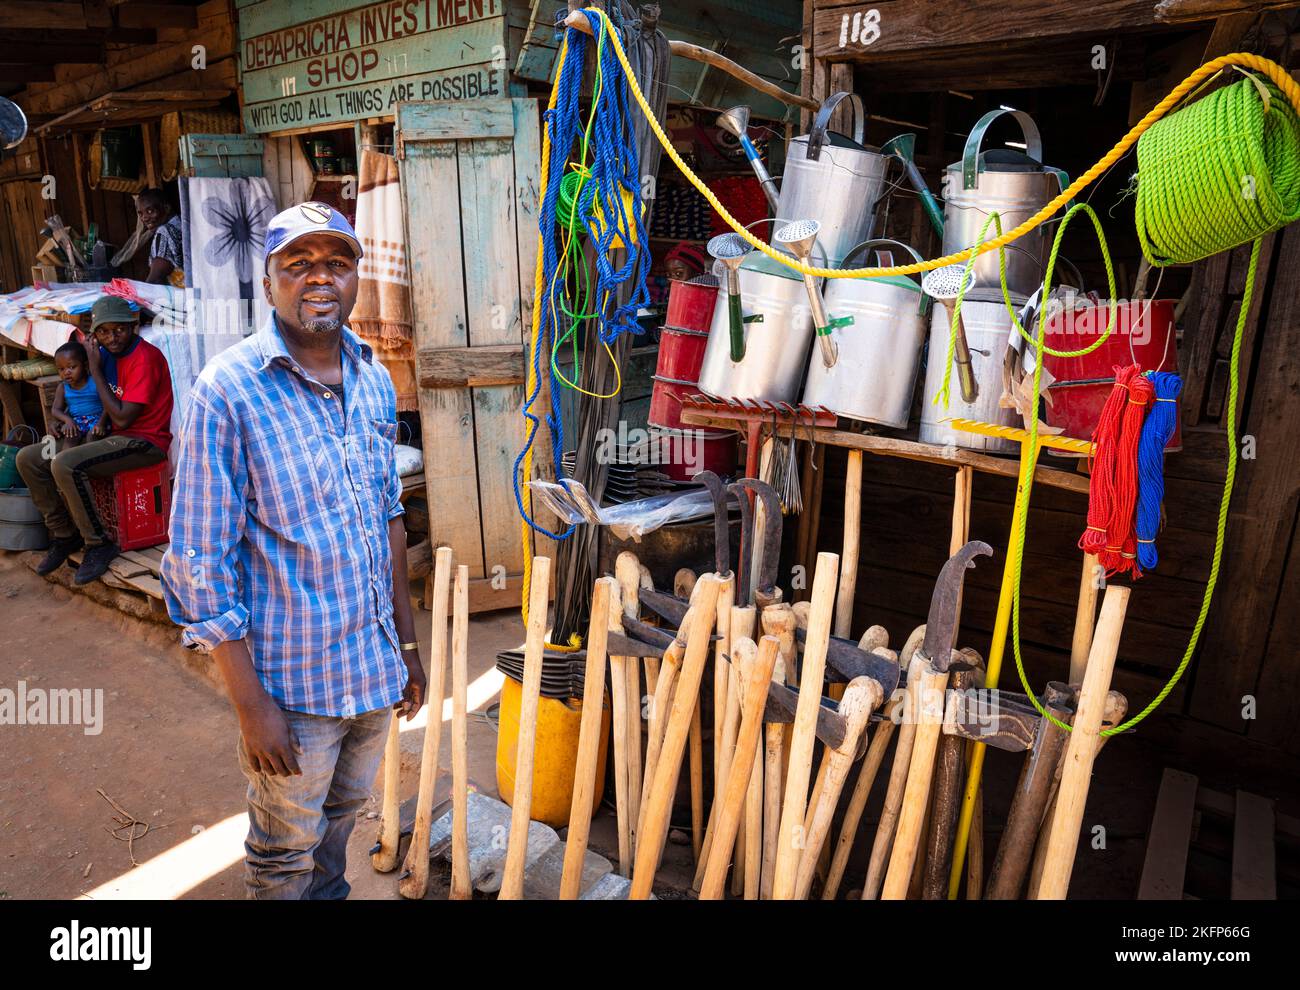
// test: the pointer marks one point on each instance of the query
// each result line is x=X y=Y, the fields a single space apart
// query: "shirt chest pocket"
x=381 y=454
x=295 y=482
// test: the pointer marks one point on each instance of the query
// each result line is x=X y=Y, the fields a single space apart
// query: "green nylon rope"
x=1213 y=176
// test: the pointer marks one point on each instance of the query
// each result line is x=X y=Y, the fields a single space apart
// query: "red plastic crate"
x=134 y=506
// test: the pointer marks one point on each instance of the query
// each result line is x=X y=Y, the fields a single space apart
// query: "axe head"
x=941 y=624
x=846 y=661
x=782 y=703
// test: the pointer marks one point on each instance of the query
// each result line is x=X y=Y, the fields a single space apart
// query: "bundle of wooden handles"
x=770 y=818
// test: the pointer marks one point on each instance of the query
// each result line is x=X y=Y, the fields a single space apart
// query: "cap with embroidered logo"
x=308 y=218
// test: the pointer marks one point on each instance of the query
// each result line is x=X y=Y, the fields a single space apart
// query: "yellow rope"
x=539 y=287
x=1280 y=77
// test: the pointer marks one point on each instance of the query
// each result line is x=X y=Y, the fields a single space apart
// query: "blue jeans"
x=298 y=827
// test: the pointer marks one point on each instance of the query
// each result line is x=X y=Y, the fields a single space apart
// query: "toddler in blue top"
x=77 y=410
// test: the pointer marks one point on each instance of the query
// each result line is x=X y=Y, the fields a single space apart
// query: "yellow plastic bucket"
x=555 y=755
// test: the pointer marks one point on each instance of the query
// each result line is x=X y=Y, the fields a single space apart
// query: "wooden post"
x=521 y=801
x=1081 y=751
x=849 y=553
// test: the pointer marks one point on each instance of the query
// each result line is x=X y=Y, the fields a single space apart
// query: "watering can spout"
x=903 y=147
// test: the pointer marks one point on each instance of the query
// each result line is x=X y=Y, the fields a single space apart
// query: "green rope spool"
x=1218 y=173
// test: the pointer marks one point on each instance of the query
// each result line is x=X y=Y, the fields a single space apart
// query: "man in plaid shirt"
x=288 y=557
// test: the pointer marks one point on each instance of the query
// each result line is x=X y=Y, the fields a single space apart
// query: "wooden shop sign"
x=316 y=62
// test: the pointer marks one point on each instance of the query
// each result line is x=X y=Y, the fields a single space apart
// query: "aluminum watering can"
x=833 y=179
x=1013 y=184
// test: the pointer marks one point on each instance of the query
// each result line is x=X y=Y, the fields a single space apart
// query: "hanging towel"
x=382 y=314
x=224 y=227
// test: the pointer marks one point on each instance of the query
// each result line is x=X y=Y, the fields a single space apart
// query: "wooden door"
x=470 y=174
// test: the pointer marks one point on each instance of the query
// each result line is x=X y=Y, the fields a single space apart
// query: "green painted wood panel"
x=467 y=172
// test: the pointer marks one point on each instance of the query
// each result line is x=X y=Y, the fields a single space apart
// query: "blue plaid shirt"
x=279 y=527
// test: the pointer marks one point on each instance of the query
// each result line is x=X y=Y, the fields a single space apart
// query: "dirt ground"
x=166 y=757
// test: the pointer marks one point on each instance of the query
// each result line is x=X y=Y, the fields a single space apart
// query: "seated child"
x=77 y=410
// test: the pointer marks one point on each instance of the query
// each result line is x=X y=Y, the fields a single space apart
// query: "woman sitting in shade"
x=166 y=259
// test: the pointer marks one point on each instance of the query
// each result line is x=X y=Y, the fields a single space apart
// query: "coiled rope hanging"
x=1221 y=171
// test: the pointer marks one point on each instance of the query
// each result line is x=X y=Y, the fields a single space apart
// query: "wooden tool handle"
x=460 y=878
x=584 y=775
x=1032 y=792
x=947 y=797
x=1081 y=750
x=415 y=880
x=919 y=774
x=650 y=843
x=861 y=698
x=755 y=667
x=803 y=734
x=384 y=859
x=858 y=800
x=521 y=801
x=881 y=843
x=619 y=703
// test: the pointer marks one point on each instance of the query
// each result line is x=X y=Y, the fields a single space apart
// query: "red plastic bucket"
x=680 y=454
x=681 y=353
x=1143 y=334
x=666 y=402
x=690 y=305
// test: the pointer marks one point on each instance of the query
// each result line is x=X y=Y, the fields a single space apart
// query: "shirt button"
x=189 y=552
x=329 y=395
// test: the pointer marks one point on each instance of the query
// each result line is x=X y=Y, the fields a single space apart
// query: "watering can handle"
x=877 y=241
x=817 y=136
x=970 y=159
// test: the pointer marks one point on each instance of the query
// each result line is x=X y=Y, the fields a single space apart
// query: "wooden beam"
x=914 y=450
x=156 y=15
x=914 y=26
x=470 y=367
x=1182 y=11
x=24 y=14
x=1165 y=865
x=26 y=72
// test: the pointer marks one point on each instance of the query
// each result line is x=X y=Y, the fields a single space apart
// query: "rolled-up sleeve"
x=200 y=571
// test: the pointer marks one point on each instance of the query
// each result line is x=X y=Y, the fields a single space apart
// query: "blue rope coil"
x=1156 y=430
